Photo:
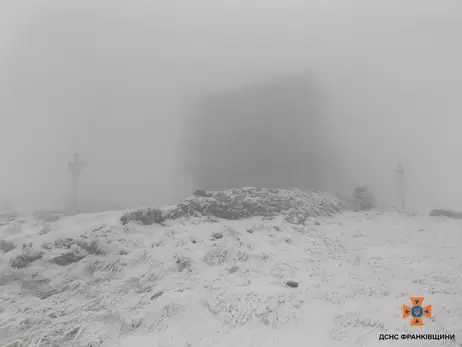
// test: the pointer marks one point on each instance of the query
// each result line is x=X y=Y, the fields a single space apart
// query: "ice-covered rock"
x=241 y=203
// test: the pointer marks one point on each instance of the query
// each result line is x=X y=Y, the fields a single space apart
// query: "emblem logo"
x=417 y=311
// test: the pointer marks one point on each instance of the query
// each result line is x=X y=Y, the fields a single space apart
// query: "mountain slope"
x=89 y=280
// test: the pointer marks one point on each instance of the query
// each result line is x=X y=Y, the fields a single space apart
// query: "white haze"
x=116 y=80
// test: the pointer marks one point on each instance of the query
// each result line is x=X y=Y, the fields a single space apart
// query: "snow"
x=200 y=282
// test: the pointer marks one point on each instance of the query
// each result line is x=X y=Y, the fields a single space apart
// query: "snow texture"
x=332 y=277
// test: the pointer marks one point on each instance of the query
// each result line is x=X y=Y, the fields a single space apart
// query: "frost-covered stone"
x=240 y=203
x=145 y=217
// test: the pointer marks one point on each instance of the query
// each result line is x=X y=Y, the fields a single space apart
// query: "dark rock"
x=23 y=260
x=67 y=259
x=157 y=295
x=184 y=263
x=48 y=246
x=64 y=243
x=292 y=284
x=233 y=269
x=92 y=248
x=45 y=230
x=217 y=236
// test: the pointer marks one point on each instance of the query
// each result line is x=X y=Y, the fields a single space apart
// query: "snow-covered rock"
x=233 y=204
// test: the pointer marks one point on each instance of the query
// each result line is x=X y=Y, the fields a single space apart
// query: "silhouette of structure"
x=272 y=135
x=75 y=167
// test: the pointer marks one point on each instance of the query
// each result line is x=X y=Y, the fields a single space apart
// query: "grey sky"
x=116 y=80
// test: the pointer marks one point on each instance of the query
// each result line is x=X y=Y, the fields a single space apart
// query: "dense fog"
x=163 y=97
x=271 y=134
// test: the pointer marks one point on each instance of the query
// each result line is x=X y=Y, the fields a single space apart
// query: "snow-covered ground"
x=87 y=280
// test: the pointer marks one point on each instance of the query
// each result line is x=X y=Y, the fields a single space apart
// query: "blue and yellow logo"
x=417 y=311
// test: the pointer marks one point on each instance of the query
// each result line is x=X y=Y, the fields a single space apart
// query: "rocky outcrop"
x=240 y=203
x=446 y=213
x=145 y=216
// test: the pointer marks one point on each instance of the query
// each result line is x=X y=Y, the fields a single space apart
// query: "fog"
x=272 y=134
x=133 y=85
